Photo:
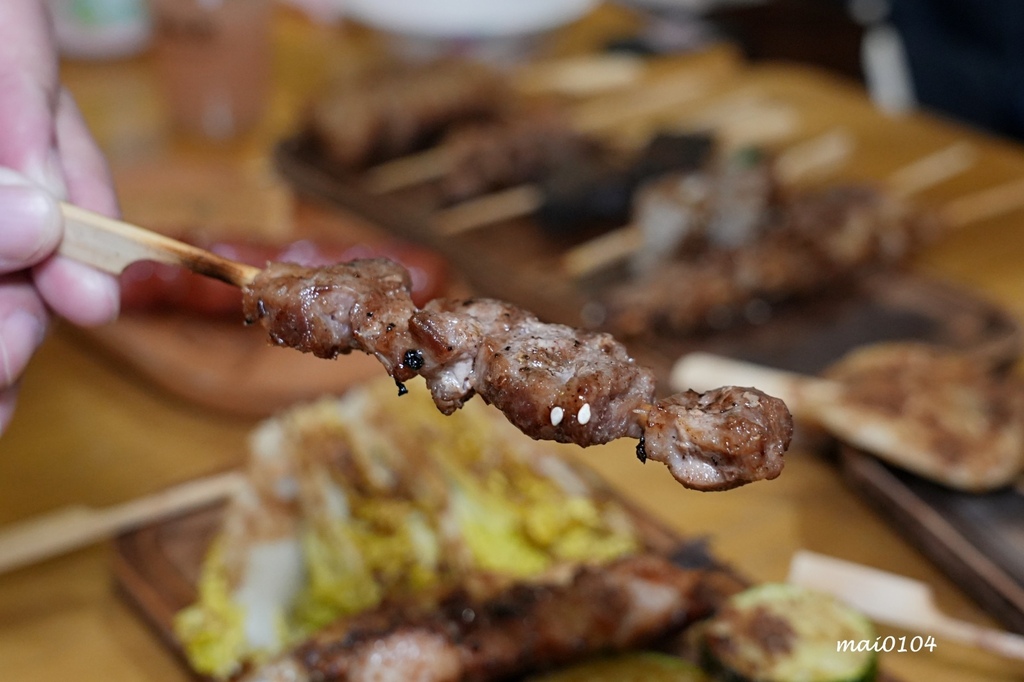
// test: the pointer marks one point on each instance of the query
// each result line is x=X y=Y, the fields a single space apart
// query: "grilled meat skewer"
x=630 y=603
x=383 y=116
x=551 y=381
x=813 y=240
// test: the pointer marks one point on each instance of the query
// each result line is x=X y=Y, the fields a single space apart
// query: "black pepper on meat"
x=553 y=382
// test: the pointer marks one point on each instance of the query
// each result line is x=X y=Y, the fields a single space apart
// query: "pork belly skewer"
x=937 y=413
x=631 y=603
x=551 y=381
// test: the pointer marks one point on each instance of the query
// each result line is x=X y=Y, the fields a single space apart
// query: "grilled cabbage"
x=372 y=496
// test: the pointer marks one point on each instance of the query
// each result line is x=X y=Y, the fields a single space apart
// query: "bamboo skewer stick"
x=74 y=527
x=985 y=204
x=112 y=245
x=933 y=169
x=602 y=251
x=818 y=156
x=492 y=208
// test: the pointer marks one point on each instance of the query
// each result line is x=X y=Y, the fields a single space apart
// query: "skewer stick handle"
x=75 y=527
x=112 y=245
x=985 y=204
x=704 y=371
x=487 y=210
x=409 y=171
x=896 y=600
x=602 y=251
x=933 y=169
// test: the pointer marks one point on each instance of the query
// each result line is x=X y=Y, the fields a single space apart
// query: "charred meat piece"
x=330 y=311
x=724 y=436
x=384 y=116
x=551 y=381
x=633 y=602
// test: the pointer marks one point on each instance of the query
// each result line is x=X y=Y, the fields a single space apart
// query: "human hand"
x=46 y=154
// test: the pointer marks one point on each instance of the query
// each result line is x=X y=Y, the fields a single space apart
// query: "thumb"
x=30 y=222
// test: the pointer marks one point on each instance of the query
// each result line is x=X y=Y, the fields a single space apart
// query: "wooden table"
x=89 y=431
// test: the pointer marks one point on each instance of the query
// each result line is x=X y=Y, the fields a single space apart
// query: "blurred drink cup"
x=214 y=61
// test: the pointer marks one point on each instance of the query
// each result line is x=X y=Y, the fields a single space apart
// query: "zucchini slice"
x=778 y=632
x=643 y=666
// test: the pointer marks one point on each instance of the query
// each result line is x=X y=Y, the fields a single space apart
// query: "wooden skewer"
x=985 y=204
x=602 y=251
x=493 y=208
x=815 y=157
x=933 y=169
x=112 y=245
x=408 y=171
x=896 y=600
x=74 y=527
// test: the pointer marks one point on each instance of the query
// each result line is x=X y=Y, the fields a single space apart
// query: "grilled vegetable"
x=372 y=498
x=635 y=667
x=785 y=633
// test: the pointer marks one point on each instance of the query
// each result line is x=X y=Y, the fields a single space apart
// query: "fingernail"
x=21 y=333
x=29 y=226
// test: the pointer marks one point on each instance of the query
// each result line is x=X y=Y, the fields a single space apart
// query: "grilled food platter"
x=538 y=552
x=516 y=258
x=160 y=566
